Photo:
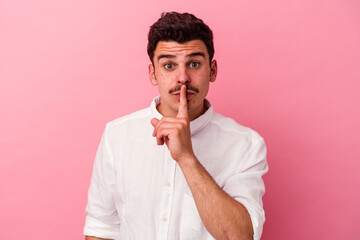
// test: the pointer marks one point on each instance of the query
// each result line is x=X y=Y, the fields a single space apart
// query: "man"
x=177 y=170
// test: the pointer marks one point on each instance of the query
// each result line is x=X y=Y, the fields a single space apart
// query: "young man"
x=178 y=170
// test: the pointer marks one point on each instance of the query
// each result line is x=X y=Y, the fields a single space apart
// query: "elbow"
x=238 y=235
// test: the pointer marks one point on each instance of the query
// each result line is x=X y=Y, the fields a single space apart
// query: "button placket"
x=167 y=195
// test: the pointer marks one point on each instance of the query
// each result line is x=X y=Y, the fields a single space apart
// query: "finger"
x=165 y=122
x=170 y=119
x=160 y=141
x=154 y=123
x=163 y=129
x=183 y=112
x=164 y=134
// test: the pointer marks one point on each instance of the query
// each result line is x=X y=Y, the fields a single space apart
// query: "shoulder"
x=235 y=131
x=129 y=119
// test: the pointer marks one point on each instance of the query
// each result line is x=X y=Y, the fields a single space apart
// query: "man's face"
x=179 y=64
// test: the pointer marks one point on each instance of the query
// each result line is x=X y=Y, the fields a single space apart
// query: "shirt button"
x=168 y=184
x=164 y=219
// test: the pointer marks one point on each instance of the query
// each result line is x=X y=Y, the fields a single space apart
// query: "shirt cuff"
x=257 y=219
x=96 y=228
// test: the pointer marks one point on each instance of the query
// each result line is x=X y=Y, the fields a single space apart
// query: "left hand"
x=175 y=131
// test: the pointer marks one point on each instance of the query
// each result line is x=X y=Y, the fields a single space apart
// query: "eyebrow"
x=166 y=56
x=196 y=54
x=173 y=56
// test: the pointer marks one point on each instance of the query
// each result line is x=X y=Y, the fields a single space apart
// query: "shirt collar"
x=195 y=125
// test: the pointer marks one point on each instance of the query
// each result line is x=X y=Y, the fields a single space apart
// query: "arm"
x=223 y=217
x=95 y=238
x=102 y=217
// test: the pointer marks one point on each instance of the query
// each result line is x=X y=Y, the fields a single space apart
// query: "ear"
x=152 y=75
x=213 y=71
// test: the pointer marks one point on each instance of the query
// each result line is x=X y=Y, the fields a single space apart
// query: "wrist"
x=188 y=161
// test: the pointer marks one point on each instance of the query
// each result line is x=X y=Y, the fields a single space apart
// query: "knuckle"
x=184 y=122
x=180 y=126
x=176 y=131
x=159 y=123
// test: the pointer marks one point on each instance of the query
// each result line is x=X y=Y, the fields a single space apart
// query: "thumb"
x=154 y=122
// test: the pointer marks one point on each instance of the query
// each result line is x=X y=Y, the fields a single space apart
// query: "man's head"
x=181 y=50
x=179 y=27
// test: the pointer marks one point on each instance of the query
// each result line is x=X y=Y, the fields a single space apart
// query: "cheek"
x=204 y=88
x=164 y=78
x=163 y=87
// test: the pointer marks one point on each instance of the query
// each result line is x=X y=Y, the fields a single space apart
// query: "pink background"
x=288 y=69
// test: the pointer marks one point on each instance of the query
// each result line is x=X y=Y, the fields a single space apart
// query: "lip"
x=189 y=95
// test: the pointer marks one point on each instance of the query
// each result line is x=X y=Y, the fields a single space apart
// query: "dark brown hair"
x=179 y=27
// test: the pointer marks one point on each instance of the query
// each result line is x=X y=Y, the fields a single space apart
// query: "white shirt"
x=138 y=191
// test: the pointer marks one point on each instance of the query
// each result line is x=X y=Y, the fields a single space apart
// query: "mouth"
x=189 y=95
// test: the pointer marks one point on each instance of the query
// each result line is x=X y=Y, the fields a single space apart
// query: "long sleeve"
x=102 y=218
x=247 y=186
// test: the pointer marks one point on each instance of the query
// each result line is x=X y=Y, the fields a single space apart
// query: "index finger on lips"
x=183 y=113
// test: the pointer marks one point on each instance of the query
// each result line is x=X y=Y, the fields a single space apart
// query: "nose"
x=183 y=76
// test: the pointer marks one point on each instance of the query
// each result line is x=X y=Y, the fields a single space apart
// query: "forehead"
x=179 y=49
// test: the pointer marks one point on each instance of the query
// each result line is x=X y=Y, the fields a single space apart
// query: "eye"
x=194 y=64
x=168 y=65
